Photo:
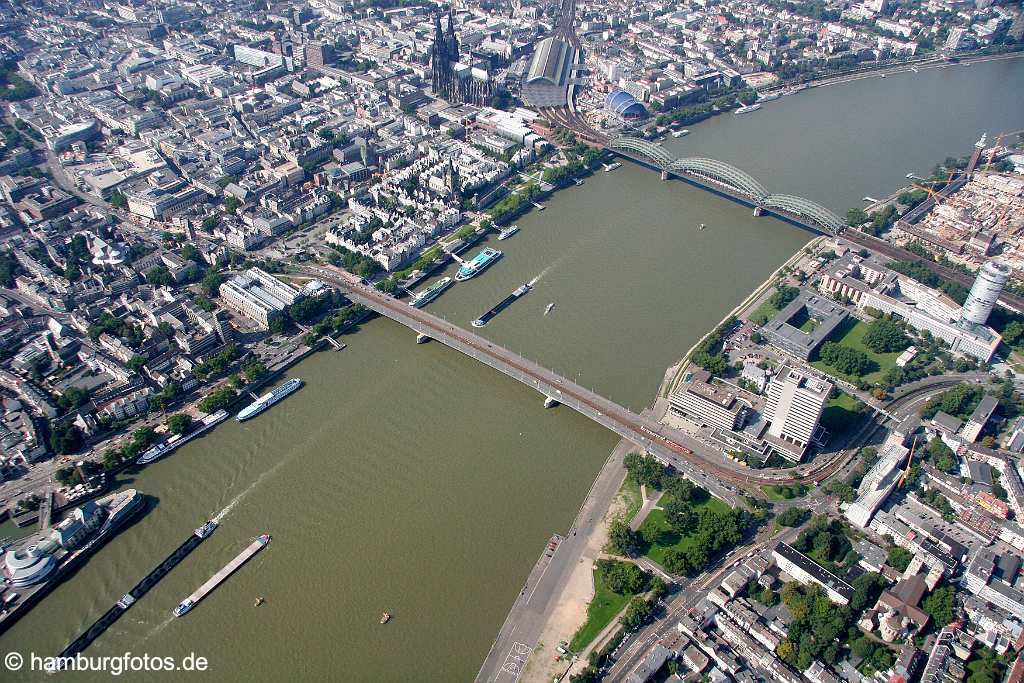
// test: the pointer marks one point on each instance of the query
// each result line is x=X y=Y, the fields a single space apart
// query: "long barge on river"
x=502 y=305
x=141 y=588
x=191 y=601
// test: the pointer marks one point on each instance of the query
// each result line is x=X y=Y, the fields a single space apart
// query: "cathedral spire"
x=452 y=43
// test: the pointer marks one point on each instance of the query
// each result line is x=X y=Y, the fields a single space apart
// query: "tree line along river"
x=410 y=479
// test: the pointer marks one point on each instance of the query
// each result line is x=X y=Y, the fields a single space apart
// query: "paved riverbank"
x=535 y=608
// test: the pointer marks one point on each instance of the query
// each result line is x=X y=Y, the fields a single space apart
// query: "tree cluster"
x=783 y=296
x=218 y=363
x=73 y=398
x=960 y=401
x=899 y=558
x=708 y=353
x=873 y=657
x=8 y=269
x=119 y=328
x=885 y=335
x=622 y=540
x=624 y=578
x=942 y=456
x=793 y=517
x=826 y=543
x=816 y=629
x=645 y=470
x=218 y=400
x=65 y=438
x=941 y=605
x=353 y=262
x=845 y=359
x=179 y=423
x=713 y=531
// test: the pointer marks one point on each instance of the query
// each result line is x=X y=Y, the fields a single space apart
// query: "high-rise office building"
x=795 y=404
x=985 y=292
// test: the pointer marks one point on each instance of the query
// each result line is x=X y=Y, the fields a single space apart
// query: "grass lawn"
x=668 y=539
x=630 y=493
x=602 y=609
x=776 y=492
x=764 y=312
x=851 y=333
x=841 y=414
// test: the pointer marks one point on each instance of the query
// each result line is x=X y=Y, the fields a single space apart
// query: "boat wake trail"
x=237 y=499
x=158 y=628
x=543 y=273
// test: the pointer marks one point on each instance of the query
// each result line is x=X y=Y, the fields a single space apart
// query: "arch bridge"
x=726 y=178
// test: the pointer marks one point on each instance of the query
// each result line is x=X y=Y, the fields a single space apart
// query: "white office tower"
x=990 y=282
x=794 y=407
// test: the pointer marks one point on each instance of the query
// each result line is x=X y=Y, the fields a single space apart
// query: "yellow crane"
x=992 y=152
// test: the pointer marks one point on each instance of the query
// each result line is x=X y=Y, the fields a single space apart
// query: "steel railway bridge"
x=728 y=180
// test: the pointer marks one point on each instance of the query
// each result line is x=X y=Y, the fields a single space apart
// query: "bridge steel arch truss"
x=722 y=172
x=653 y=152
x=734 y=178
x=806 y=208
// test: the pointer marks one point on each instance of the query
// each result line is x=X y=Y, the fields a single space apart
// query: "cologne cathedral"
x=450 y=79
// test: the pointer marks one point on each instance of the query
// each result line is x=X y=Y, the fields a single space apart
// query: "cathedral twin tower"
x=459 y=87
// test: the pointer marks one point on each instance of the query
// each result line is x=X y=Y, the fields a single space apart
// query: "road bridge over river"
x=686 y=454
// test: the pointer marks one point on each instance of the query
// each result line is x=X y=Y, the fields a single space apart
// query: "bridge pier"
x=758 y=210
x=664 y=174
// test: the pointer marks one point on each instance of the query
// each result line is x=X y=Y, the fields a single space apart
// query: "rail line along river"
x=410 y=479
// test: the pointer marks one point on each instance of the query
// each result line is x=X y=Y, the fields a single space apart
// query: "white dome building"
x=32 y=565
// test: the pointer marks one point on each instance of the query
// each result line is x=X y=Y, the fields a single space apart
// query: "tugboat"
x=701 y=226
x=385 y=618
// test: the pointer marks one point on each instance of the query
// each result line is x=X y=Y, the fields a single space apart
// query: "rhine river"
x=410 y=479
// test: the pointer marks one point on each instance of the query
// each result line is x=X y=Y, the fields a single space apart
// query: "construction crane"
x=992 y=152
x=936 y=197
x=910 y=458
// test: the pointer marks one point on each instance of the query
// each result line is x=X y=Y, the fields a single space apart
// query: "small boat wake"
x=237 y=499
x=158 y=628
x=544 y=272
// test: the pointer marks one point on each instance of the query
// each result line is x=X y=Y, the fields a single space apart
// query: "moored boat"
x=477 y=264
x=430 y=293
x=508 y=232
x=267 y=400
